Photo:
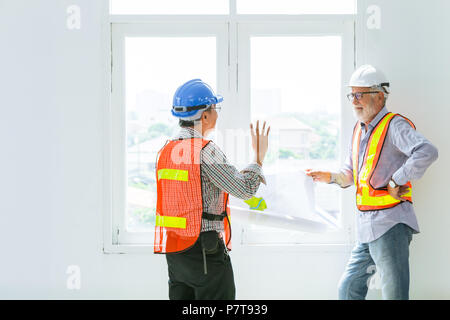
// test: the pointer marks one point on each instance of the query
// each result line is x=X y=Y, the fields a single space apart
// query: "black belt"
x=214 y=217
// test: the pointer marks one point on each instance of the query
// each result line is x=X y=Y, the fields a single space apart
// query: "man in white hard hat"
x=386 y=153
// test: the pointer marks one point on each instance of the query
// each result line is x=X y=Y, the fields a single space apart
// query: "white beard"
x=367 y=113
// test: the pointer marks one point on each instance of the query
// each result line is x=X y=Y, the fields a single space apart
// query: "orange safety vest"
x=179 y=206
x=367 y=197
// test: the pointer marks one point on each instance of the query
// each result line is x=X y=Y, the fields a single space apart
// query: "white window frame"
x=232 y=82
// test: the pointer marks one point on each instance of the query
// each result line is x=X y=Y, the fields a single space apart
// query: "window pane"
x=296 y=6
x=155 y=67
x=169 y=7
x=296 y=87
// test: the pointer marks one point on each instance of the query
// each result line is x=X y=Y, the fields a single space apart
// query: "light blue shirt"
x=405 y=156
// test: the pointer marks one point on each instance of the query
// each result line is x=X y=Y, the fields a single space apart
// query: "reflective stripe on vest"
x=179 y=205
x=368 y=198
x=170 y=222
x=173 y=174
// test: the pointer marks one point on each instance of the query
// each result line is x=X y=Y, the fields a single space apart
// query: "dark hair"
x=185 y=124
x=190 y=124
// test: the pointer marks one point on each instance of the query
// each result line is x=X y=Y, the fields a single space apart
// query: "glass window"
x=154 y=68
x=296 y=7
x=169 y=7
x=296 y=87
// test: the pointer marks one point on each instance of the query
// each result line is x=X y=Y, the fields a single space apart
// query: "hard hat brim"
x=219 y=98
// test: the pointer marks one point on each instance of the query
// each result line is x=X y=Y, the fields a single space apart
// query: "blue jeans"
x=390 y=255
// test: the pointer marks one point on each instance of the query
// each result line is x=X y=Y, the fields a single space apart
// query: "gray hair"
x=381 y=89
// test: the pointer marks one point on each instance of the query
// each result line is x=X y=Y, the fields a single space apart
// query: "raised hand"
x=260 y=141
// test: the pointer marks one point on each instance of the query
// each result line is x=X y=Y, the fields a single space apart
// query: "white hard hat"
x=368 y=76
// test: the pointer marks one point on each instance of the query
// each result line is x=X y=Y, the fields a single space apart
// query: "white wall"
x=53 y=100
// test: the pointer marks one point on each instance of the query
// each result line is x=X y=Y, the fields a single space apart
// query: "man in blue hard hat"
x=194 y=181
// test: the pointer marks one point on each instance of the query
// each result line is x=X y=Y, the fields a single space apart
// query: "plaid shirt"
x=218 y=176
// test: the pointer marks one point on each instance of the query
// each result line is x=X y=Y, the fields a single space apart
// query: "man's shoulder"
x=402 y=121
x=212 y=153
x=210 y=145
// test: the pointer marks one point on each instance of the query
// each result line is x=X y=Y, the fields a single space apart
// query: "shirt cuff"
x=400 y=177
x=341 y=179
x=333 y=178
x=256 y=168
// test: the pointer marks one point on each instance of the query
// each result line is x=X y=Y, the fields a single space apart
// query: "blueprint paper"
x=290 y=203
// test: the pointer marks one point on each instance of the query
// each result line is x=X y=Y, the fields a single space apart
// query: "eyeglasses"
x=217 y=108
x=358 y=95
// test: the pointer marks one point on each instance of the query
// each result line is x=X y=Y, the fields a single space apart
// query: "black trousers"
x=187 y=278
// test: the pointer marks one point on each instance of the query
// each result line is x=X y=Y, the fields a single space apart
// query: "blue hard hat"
x=192 y=97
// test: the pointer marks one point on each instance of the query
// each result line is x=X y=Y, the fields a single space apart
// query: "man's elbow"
x=433 y=153
x=247 y=193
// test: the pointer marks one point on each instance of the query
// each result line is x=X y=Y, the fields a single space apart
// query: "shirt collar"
x=377 y=118
x=186 y=133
